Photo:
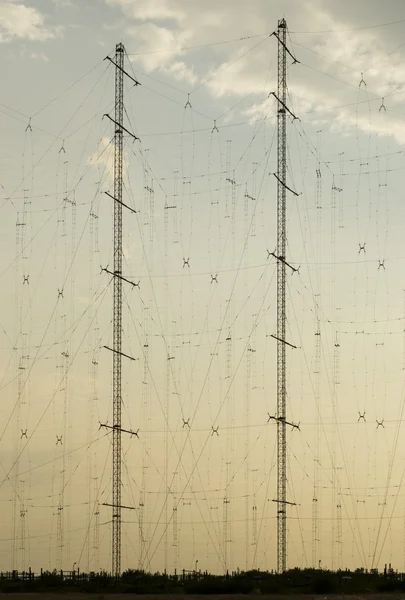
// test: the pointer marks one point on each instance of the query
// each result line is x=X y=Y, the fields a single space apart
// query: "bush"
x=270 y=587
x=324 y=585
x=219 y=586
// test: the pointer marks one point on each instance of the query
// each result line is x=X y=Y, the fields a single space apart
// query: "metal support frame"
x=117 y=312
x=281 y=301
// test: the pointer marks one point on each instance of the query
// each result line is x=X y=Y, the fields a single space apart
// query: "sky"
x=199 y=477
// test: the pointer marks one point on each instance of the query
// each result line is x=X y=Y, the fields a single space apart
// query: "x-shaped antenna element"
x=214 y=430
x=188 y=103
x=362 y=417
x=186 y=423
x=362 y=247
x=380 y=424
x=381 y=264
x=215 y=128
x=214 y=278
x=362 y=81
x=186 y=262
x=62 y=148
x=60 y=293
x=59 y=440
x=26 y=279
x=382 y=107
x=24 y=433
x=29 y=128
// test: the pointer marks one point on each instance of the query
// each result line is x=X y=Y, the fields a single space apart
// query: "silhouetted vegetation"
x=134 y=581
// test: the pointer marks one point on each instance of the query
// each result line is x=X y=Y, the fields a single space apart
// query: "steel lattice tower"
x=117 y=311
x=281 y=301
x=118 y=278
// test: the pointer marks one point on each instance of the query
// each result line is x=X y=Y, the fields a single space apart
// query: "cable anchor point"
x=188 y=103
x=186 y=262
x=62 y=148
x=29 y=128
x=214 y=278
x=362 y=81
x=381 y=264
x=362 y=248
x=382 y=107
x=59 y=440
x=362 y=417
x=214 y=430
x=380 y=424
x=215 y=128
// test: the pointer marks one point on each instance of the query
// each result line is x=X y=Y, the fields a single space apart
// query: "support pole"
x=117 y=313
x=281 y=302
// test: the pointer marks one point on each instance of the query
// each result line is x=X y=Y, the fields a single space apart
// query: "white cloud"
x=104 y=157
x=152 y=36
x=39 y=56
x=22 y=22
x=146 y=10
x=63 y=3
x=328 y=77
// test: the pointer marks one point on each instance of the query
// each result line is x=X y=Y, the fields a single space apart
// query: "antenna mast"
x=281 y=298
x=117 y=311
x=118 y=279
x=282 y=263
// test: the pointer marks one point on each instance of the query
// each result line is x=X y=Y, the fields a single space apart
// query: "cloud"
x=165 y=61
x=18 y=21
x=331 y=64
x=63 y=3
x=39 y=56
x=146 y=10
x=104 y=157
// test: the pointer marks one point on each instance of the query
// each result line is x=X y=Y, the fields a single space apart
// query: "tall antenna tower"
x=281 y=295
x=117 y=310
x=117 y=304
